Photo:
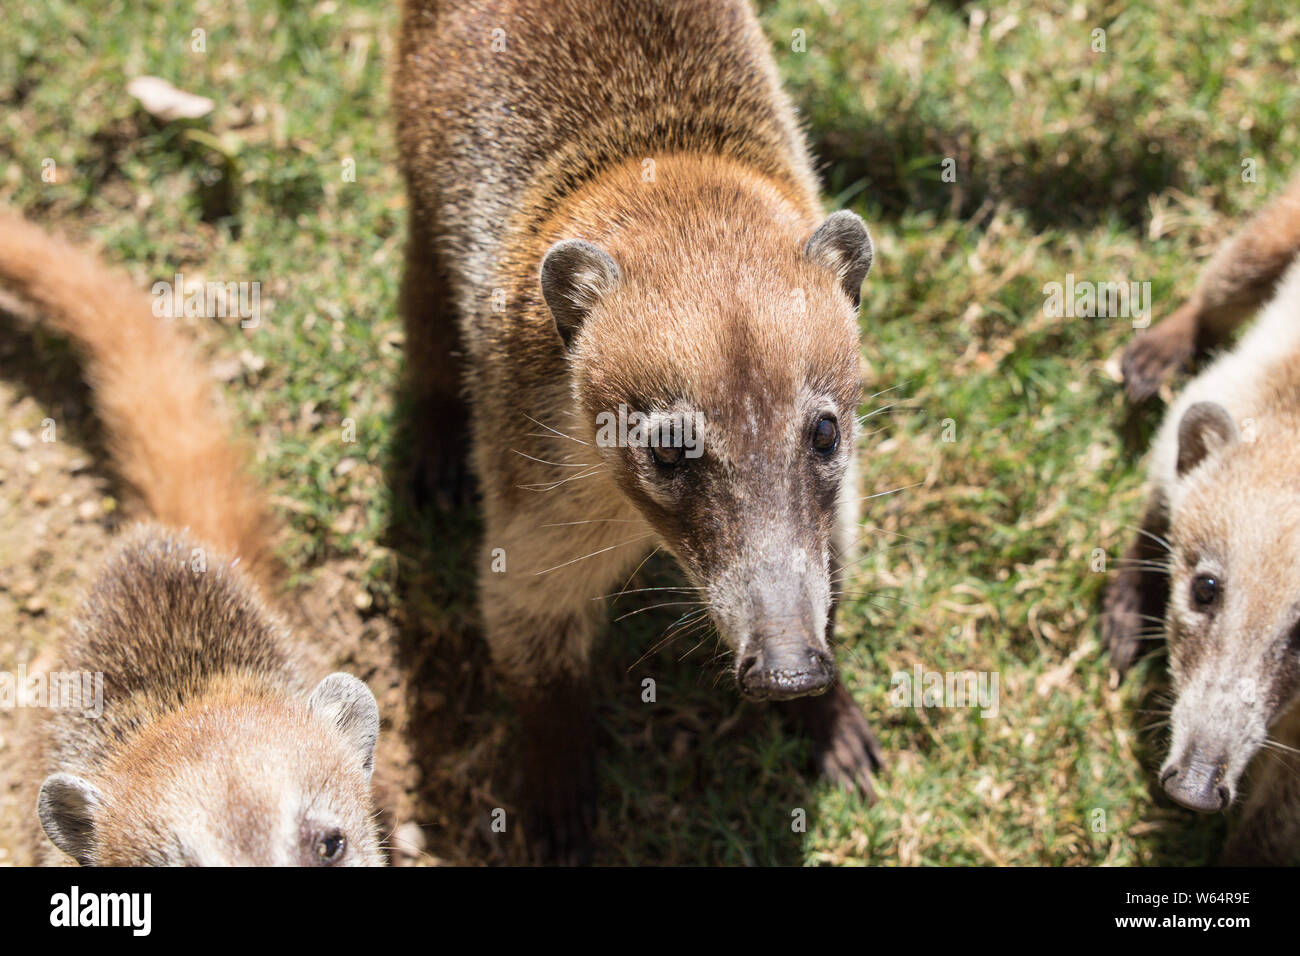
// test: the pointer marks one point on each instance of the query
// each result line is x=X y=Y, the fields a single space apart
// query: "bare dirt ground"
x=57 y=511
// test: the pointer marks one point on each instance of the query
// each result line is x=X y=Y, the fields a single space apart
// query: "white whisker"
x=639 y=537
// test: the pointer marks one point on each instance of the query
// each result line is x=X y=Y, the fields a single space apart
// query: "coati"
x=612 y=210
x=1218 y=555
x=210 y=748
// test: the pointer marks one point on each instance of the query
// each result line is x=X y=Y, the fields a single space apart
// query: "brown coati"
x=201 y=743
x=612 y=213
x=1218 y=557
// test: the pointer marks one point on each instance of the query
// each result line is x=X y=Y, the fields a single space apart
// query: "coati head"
x=737 y=340
x=236 y=778
x=1233 y=620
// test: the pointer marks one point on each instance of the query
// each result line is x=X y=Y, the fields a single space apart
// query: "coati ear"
x=346 y=704
x=575 y=274
x=843 y=245
x=1206 y=427
x=66 y=807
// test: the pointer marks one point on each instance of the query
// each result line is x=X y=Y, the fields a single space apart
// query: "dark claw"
x=440 y=475
x=560 y=828
x=559 y=772
x=844 y=747
x=1150 y=359
x=1146 y=366
x=1121 y=622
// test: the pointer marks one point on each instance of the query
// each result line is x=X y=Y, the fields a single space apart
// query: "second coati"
x=206 y=745
x=1218 y=555
x=612 y=211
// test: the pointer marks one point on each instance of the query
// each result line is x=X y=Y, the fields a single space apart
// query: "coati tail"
x=169 y=439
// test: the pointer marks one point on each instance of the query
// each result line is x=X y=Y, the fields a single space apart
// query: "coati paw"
x=440 y=475
x=441 y=481
x=559 y=772
x=1256 y=849
x=1121 y=622
x=844 y=747
x=560 y=827
x=1150 y=359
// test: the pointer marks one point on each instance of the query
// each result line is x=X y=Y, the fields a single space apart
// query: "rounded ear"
x=843 y=245
x=347 y=705
x=575 y=274
x=66 y=807
x=1206 y=428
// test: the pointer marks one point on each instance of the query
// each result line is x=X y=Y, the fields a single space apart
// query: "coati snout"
x=764 y=376
x=773 y=607
x=785 y=666
x=1195 y=782
x=1233 y=619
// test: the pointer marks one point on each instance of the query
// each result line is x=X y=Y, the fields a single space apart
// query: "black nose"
x=1195 y=783
x=782 y=669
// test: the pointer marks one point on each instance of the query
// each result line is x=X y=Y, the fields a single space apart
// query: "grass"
x=1116 y=165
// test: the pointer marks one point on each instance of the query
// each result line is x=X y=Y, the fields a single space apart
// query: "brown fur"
x=657 y=133
x=203 y=698
x=208 y=749
x=1236 y=281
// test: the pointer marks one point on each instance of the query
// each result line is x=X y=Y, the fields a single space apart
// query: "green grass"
x=1122 y=165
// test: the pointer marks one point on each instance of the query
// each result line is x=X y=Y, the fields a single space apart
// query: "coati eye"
x=667 y=455
x=1205 y=590
x=826 y=435
x=330 y=847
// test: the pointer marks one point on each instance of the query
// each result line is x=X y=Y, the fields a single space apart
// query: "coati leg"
x=439 y=436
x=1232 y=286
x=541 y=625
x=844 y=747
x=1153 y=355
x=559 y=757
x=1137 y=594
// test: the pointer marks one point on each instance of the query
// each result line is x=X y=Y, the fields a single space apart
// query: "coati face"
x=1233 y=620
x=747 y=384
x=231 y=781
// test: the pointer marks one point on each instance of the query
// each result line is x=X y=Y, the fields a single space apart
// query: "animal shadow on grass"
x=686 y=772
x=876 y=155
x=44 y=366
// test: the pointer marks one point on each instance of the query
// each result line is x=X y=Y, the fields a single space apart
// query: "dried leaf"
x=159 y=98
